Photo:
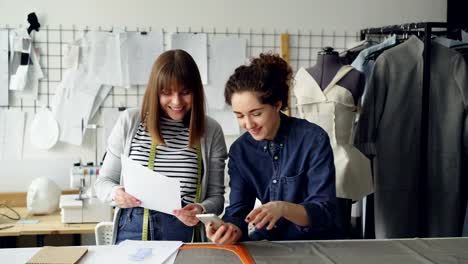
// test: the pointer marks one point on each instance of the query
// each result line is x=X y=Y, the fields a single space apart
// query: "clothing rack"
x=424 y=30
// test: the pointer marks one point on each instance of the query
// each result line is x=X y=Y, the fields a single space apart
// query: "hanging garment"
x=450 y=43
x=390 y=128
x=334 y=110
x=366 y=66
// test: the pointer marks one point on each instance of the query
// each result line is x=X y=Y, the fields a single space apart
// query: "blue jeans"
x=161 y=226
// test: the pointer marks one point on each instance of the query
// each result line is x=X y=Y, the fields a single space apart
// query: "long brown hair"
x=267 y=75
x=174 y=68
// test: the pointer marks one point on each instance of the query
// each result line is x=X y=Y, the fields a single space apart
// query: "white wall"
x=278 y=15
x=267 y=14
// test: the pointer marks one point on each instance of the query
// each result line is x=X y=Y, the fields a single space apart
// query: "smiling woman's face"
x=175 y=102
x=260 y=120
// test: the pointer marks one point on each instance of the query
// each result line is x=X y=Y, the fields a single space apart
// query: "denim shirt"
x=296 y=166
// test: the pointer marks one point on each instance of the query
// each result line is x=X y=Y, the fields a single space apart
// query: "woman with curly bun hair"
x=285 y=162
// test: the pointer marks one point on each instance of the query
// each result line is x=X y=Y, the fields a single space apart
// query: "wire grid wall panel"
x=50 y=42
x=304 y=46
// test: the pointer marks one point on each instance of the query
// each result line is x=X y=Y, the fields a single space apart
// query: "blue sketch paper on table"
x=141 y=254
x=150 y=251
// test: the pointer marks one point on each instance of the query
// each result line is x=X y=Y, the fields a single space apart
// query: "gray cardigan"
x=214 y=155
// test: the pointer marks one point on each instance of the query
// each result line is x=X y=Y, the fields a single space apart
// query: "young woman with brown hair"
x=172 y=135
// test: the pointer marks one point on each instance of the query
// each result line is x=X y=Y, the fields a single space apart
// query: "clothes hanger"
x=375 y=54
x=361 y=46
x=328 y=51
x=402 y=35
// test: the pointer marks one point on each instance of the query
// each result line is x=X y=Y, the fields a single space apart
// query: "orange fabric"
x=240 y=250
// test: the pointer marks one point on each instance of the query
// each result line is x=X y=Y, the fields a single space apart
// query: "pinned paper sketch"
x=79 y=95
x=25 y=71
x=123 y=58
x=227 y=53
x=11 y=134
x=138 y=52
x=3 y=67
x=44 y=130
x=140 y=182
x=71 y=55
x=196 y=45
x=24 y=64
x=99 y=99
x=104 y=57
x=34 y=74
x=73 y=104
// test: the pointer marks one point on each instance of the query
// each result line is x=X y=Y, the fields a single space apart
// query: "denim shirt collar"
x=280 y=138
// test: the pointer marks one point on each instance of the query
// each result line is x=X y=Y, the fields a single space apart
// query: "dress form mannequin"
x=334 y=79
x=328 y=94
x=328 y=64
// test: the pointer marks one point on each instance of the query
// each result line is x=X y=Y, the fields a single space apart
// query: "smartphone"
x=207 y=218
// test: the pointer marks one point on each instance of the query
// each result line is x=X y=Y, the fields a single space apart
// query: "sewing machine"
x=85 y=206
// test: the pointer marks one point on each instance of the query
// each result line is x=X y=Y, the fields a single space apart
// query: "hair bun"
x=275 y=65
x=268 y=75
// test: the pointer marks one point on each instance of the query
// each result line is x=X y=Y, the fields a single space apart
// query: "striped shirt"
x=174 y=159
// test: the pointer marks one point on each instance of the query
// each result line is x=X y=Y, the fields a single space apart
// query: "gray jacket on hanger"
x=390 y=129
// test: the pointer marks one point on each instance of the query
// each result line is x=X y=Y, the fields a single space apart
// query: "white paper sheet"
x=105 y=254
x=104 y=57
x=12 y=123
x=227 y=120
x=19 y=79
x=162 y=251
x=122 y=58
x=3 y=67
x=73 y=103
x=71 y=55
x=138 y=53
x=196 y=44
x=99 y=99
x=171 y=258
x=21 y=44
x=154 y=190
x=45 y=130
x=34 y=74
x=227 y=53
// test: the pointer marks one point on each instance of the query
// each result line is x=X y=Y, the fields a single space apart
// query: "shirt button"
x=265 y=147
x=275 y=181
x=275 y=157
x=281 y=145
